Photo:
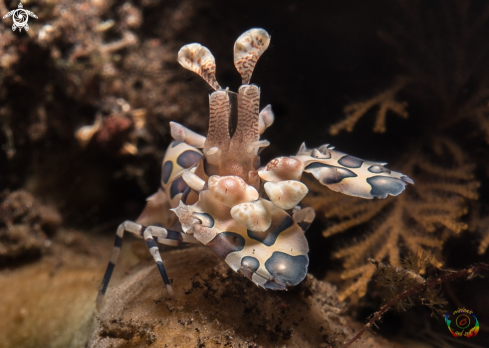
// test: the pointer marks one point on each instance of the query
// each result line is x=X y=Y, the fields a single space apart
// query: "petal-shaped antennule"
x=255 y=216
x=185 y=135
x=193 y=181
x=286 y=194
x=199 y=59
x=266 y=118
x=231 y=190
x=282 y=168
x=247 y=49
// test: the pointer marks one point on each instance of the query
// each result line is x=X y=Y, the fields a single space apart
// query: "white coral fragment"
x=231 y=190
x=255 y=216
x=286 y=194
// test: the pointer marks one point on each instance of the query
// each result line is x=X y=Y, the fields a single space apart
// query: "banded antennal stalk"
x=236 y=155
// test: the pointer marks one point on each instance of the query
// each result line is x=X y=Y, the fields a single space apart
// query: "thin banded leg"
x=152 y=234
x=161 y=235
x=125 y=226
x=171 y=237
x=155 y=252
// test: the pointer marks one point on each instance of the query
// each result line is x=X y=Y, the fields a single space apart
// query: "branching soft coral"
x=484 y=243
x=448 y=80
x=479 y=223
x=442 y=66
x=420 y=219
x=385 y=101
x=481 y=116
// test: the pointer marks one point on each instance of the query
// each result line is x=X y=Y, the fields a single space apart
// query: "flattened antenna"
x=199 y=59
x=248 y=49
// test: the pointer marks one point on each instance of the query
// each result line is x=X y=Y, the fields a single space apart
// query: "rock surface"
x=215 y=307
x=25 y=226
x=51 y=303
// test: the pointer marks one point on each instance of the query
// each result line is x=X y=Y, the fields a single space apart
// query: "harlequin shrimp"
x=220 y=195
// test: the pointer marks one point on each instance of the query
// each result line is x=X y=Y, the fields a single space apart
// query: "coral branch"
x=385 y=101
x=480 y=224
x=484 y=243
x=481 y=116
x=423 y=285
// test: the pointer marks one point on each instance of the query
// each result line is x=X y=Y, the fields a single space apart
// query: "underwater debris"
x=25 y=225
x=86 y=53
x=117 y=328
x=117 y=128
x=405 y=283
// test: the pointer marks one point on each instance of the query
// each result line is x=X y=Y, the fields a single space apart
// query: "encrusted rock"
x=25 y=225
x=215 y=307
